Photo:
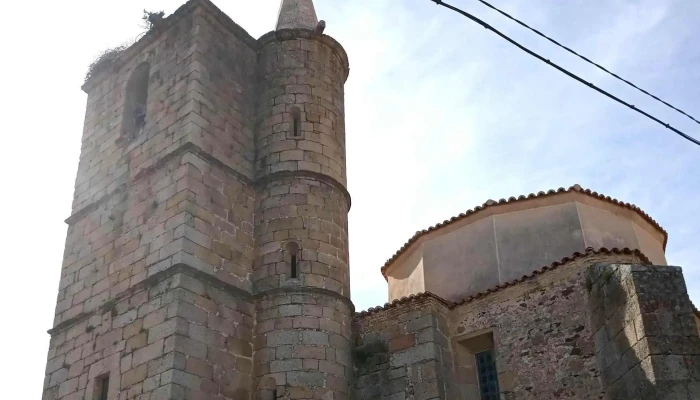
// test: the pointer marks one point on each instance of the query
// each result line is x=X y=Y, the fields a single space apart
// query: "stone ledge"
x=305 y=289
x=305 y=174
x=291 y=34
x=190 y=147
x=158 y=277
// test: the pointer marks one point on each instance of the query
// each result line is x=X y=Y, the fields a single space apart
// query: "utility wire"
x=487 y=4
x=564 y=71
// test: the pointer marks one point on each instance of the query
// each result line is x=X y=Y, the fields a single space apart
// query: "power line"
x=564 y=71
x=586 y=59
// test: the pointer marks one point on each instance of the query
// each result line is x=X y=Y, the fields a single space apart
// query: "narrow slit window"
x=292 y=257
x=294 y=265
x=102 y=388
x=136 y=100
x=488 y=376
x=296 y=122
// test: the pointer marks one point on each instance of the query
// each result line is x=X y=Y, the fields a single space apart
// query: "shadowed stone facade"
x=207 y=252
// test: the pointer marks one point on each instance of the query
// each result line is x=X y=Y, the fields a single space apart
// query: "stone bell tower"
x=207 y=248
x=301 y=274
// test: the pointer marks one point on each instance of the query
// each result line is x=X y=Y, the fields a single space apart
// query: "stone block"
x=402 y=342
x=282 y=337
x=134 y=376
x=148 y=353
x=285 y=365
x=413 y=355
x=180 y=378
x=305 y=379
x=317 y=338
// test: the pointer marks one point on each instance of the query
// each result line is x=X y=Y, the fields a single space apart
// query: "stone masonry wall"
x=112 y=246
x=165 y=338
x=314 y=215
x=152 y=203
x=174 y=205
x=403 y=352
x=646 y=339
x=222 y=96
x=301 y=271
x=307 y=72
x=183 y=211
x=542 y=339
x=174 y=202
x=110 y=157
x=217 y=233
x=302 y=344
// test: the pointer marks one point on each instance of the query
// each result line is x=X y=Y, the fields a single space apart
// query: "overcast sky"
x=441 y=116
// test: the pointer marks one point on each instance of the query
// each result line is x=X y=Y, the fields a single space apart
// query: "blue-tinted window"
x=488 y=377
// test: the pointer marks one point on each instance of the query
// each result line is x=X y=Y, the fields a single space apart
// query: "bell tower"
x=301 y=274
x=207 y=248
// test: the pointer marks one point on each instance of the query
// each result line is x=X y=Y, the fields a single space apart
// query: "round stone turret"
x=301 y=275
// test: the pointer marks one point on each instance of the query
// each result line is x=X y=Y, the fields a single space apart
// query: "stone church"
x=207 y=251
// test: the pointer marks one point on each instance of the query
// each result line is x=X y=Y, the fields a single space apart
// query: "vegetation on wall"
x=365 y=353
x=104 y=60
x=152 y=19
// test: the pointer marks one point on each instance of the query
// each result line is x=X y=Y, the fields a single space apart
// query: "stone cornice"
x=180 y=268
x=196 y=150
x=180 y=151
x=305 y=289
x=291 y=34
x=263 y=180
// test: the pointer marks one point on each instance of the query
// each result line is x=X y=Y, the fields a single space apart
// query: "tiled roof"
x=493 y=203
x=404 y=300
x=554 y=265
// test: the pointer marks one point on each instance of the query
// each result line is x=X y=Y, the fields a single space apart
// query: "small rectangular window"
x=296 y=127
x=101 y=388
x=296 y=122
x=488 y=376
x=294 y=266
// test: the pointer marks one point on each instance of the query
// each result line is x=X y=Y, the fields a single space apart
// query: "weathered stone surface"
x=645 y=338
x=207 y=254
x=191 y=185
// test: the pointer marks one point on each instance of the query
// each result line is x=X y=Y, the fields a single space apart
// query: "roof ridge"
x=492 y=203
x=450 y=304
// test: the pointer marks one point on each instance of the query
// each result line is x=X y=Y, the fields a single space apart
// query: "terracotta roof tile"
x=491 y=203
x=404 y=300
x=553 y=266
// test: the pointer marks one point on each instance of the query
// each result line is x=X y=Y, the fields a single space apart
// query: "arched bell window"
x=136 y=100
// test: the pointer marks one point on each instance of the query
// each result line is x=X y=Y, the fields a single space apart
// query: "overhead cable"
x=564 y=71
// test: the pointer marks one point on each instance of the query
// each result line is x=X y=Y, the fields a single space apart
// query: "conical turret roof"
x=295 y=14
